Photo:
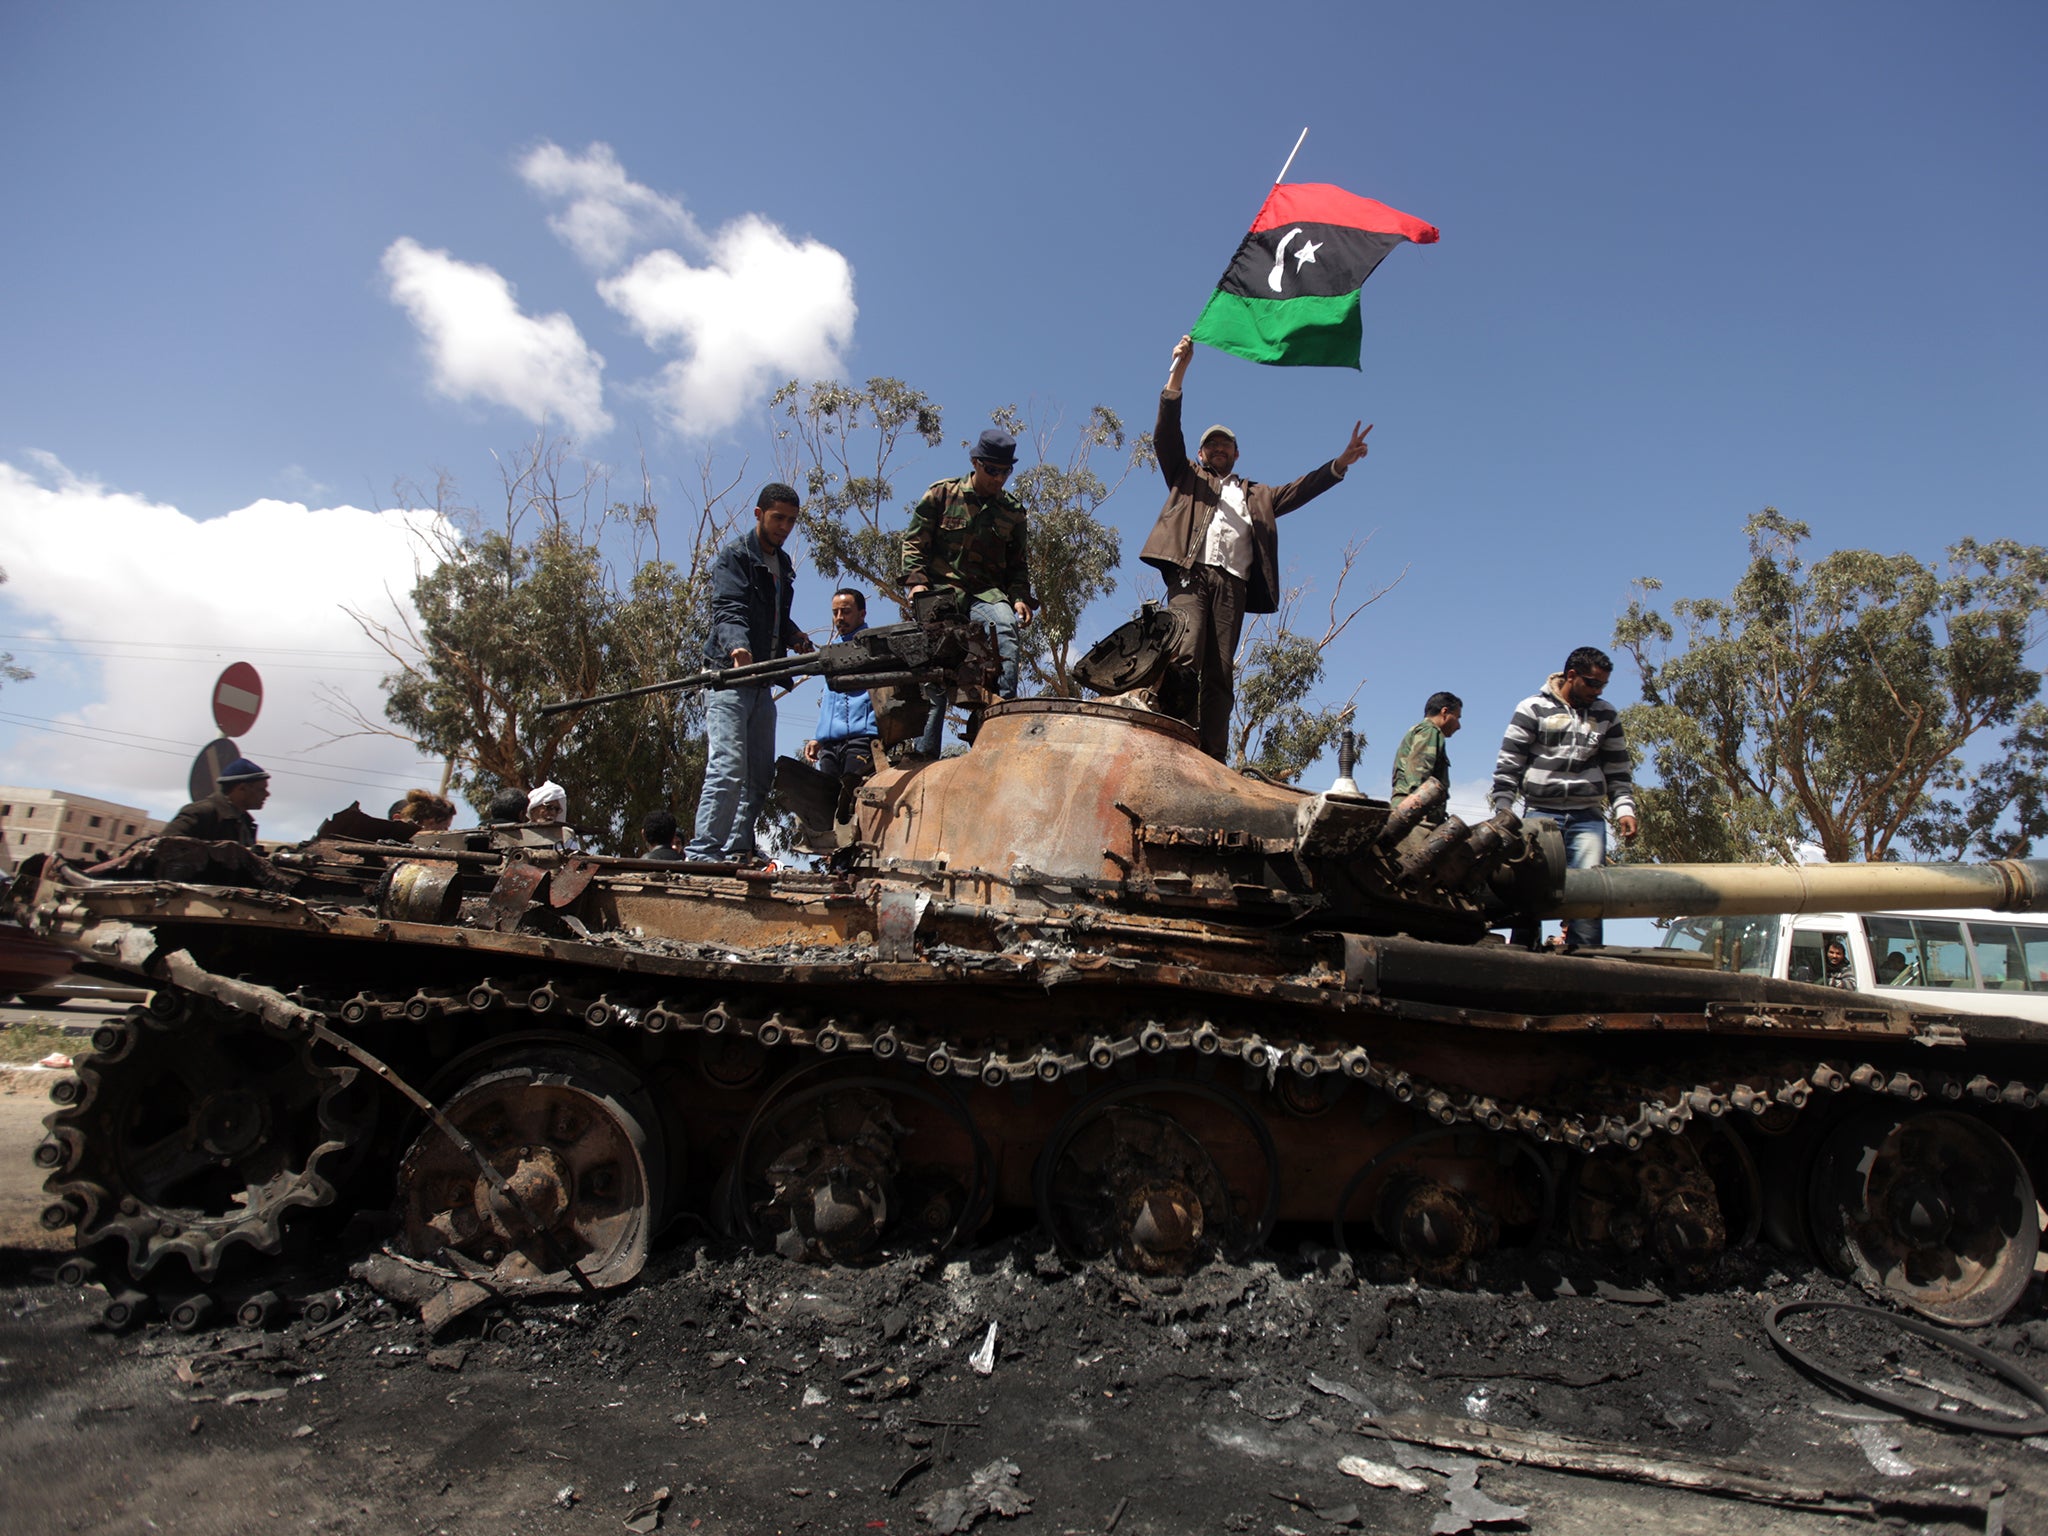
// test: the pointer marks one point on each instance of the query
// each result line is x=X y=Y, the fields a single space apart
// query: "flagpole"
x=1290 y=157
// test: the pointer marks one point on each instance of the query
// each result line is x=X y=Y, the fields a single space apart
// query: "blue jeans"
x=1585 y=847
x=739 y=767
x=1004 y=618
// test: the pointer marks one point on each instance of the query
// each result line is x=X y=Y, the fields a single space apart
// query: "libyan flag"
x=1291 y=294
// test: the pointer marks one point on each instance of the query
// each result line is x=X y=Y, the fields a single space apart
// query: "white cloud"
x=166 y=600
x=1470 y=799
x=481 y=347
x=763 y=308
x=606 y=213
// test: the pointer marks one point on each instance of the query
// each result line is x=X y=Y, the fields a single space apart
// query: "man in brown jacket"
x=1217 y=543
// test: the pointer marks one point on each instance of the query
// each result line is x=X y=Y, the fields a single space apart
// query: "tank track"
x=1619 y=1113
x=1670 y=1108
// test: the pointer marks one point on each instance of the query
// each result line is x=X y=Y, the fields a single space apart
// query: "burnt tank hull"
x=1081 y=970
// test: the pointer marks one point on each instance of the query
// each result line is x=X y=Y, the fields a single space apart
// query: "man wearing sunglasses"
x=1217 y=544
x=966 y=536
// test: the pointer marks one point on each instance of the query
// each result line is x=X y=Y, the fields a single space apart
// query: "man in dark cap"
x=1218 y=546
x=750 y=588
x=223 y=816
x=966 y=537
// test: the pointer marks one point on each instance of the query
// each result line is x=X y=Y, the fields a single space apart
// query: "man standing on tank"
x=1565 y=755
x=967 y=537
x=1422 y=756
x=1218 y=546
x=750 y=598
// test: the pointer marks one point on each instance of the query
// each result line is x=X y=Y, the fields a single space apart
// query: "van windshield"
x=1746 y=944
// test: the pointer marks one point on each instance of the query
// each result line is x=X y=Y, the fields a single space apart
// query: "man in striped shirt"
x=1565 y=755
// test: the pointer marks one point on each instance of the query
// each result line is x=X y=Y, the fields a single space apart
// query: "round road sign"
x=207 y=767
x=237 y=699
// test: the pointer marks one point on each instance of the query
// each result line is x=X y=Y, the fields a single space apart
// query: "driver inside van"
x=1839 y=972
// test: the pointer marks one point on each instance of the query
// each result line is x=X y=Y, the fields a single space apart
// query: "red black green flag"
x=1291 y=294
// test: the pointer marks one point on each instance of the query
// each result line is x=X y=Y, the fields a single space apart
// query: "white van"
x=1961 y=961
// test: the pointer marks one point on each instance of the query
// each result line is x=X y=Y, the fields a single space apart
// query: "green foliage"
x=1997 y=812
x=1275 y=725
x=1827 y=703
x=8 y=669
x=1074 y=554
x=838 y=450
x=530 y=612
x=1277 y=731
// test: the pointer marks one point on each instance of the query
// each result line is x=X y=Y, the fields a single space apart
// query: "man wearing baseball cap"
x=223 y=816
x=1218 y=546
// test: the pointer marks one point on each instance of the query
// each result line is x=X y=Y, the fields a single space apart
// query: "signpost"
x=207 y=767
x=237 y=700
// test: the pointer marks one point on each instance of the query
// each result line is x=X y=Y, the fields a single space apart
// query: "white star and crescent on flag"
x=1302 y=257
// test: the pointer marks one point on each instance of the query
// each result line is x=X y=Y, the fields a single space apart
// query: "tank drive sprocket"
x=193 y=1130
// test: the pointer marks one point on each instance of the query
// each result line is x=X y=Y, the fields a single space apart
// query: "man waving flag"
x=1291 y=294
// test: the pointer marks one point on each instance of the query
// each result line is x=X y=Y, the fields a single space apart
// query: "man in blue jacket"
x=750 y=587
x=843 y=747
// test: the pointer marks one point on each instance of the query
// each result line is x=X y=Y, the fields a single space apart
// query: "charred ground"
x=768 y=1396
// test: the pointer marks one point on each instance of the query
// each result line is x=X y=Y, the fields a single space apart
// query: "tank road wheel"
x=1122 y=1179
x=1933 y=1207
x=1659 y=1200
x=820 y=1170
x=1433 y=1223
x=187 y=1138
x=579 y=1146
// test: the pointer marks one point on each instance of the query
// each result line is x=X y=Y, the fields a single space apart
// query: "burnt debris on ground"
x=730 y=1390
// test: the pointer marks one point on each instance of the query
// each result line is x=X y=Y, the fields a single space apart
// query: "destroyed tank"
x=1081 y=970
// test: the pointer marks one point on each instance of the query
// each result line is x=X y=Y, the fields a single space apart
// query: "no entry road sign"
x=237 y=699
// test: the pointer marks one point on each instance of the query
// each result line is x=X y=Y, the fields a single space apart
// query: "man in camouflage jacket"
x=967 y=536
x=1422 y=755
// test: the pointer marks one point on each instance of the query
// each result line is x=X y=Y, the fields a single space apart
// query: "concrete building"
x=79 y=827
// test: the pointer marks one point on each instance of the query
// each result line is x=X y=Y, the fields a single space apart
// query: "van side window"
x=2001 y=963
x=2011 y=957
x=1947 y=958
x=1894 y=952
x=1808 y=960
x=1745 y=944
x=2034 y=944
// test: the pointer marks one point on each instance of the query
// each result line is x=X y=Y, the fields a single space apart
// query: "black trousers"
x=1210 y=604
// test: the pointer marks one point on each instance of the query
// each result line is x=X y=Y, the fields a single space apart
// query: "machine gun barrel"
x=872 y=658
x=1734 y=890
x=773 y=670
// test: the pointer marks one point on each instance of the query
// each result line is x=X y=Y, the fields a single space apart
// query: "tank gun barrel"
x=931 y=651
x=1734 y=890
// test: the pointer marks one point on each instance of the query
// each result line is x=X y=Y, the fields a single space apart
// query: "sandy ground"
x=24 y=1100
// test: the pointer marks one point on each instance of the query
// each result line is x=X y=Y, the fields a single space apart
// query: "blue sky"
x=1695 y=261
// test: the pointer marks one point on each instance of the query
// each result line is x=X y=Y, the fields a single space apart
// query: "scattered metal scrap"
x=991 y=1490
x=2005 y=1371
x=1755 y=1484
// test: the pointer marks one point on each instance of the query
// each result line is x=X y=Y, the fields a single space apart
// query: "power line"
x=53 y=728
x=201 y=661
x=187 y=645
